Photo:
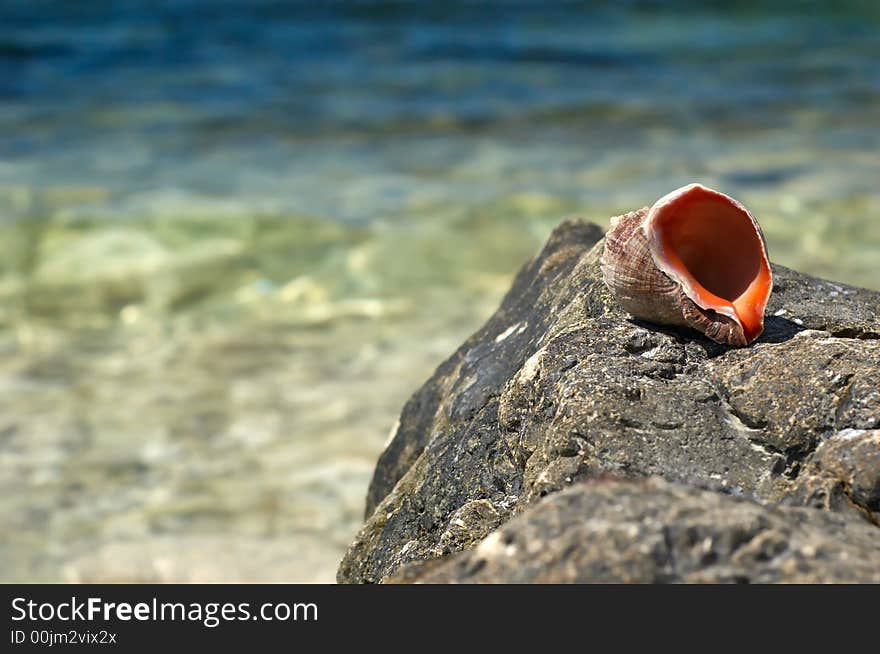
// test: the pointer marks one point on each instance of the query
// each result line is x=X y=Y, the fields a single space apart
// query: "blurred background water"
x=235 y=236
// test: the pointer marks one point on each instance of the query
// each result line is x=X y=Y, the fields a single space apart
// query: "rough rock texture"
x=652 y=531
x=844 y=474
x=562 y=385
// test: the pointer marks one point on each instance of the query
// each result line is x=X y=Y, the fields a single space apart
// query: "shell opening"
x=712 y=245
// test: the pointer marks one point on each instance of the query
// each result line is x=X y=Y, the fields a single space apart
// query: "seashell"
x=696 y=258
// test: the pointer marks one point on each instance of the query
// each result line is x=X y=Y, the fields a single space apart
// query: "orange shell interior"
x=713 y=244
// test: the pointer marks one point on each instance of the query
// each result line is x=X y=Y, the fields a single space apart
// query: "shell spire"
x=696 y=258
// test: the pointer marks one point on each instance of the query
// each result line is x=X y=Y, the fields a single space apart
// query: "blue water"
x=289 y=100
x=236 y=236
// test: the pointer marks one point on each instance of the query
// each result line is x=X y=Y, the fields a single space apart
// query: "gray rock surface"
x=653 y=531
x=561 y=385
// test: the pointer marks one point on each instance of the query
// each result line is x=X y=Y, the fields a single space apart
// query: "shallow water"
x=234 y=237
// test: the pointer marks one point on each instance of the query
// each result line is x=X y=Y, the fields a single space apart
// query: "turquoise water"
x=236 y=236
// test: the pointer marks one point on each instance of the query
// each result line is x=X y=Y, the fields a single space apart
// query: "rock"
x=561 y=385
x=653 y=531
x=844 y=474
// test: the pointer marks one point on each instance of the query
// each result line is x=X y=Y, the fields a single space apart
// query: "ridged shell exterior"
x=646 y=292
